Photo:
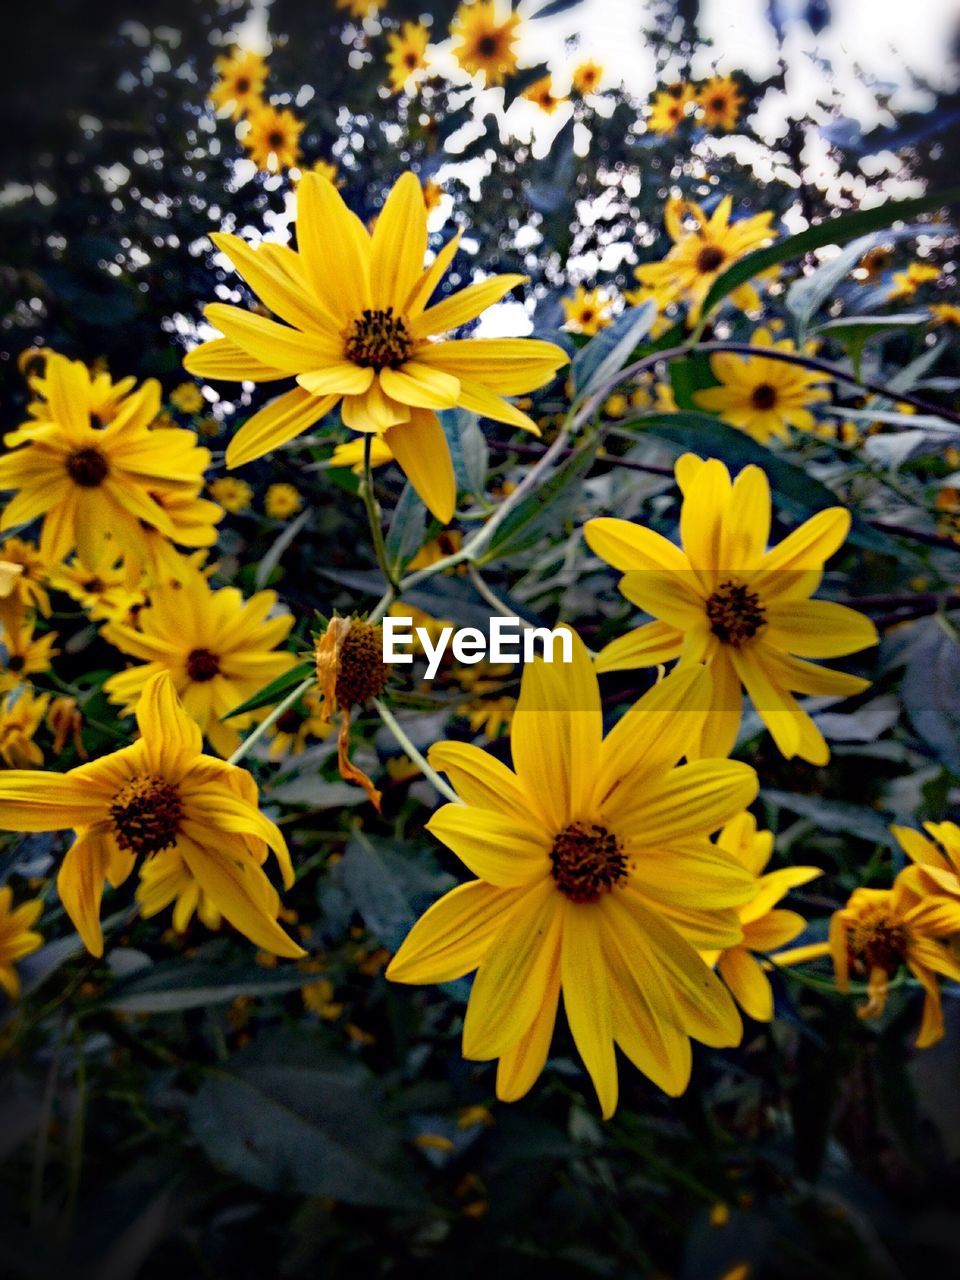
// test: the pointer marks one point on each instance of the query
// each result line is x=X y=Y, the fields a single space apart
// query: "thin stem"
x=253 y=738
x=441 y=787
x=373 y=513
x=490 y=597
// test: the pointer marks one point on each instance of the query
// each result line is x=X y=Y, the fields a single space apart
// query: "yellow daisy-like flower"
x=233 y=494
x=18 y=938
x=92 y=483
x=701 y=251
x=541 y=93
x=102 y=397
x=187 y=398
x=765 y=925
x=282 y=501
x=486 y=34
x=945 y=313
x=360 y=334
x=21 y=715
x=586 y=77
x=218 y=648
x=325 y=169
x=432 y=195
x=291 y=730
x=272 y=139
x=669 y=108
x=746 y=611
x=938 y=859
x=158 y=794
x=720 y=101
x=193 y=521
x=906 y=283
x=587 y=311
x=595 y=877
x=351 y=455
x=23 y=655
x=242 y=77
x=407 y=55
x=100 y=592
x=23 y=573
x=764 y=398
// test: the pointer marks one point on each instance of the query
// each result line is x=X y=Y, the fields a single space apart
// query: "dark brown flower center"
x=276 y=139
x=410 y=58
x=87 y=467
x=488 y=45
x=146 y=814
x=876 y=942
x=202 y=665
x=290 y=721
x=718 y=104
x=378 y=340
x=243 y=84
x=361 y=672
x=93 y=585
x=763 y=396
x=16 y=662
x=735 y=613
x=710 y=258
x=587 y=861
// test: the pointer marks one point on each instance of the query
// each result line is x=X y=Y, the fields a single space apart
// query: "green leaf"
x=834 y=815
x=173 y=985
x=275 y=690
x=931 y=689
x=407 y=531
x=389 y=885
x=854 y=332
x=524 y=525
x=468 y=449
x=831 y=231
x=610 y=349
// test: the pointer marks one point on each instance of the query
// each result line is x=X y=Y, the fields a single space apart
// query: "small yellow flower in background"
x=586 y=311
x=906 y=283
x=702 y=250
x=23 y=573
x=616 y=406
x=764 y=398
x=351 y=455
x=318 y=998
x=669 y=108
x=945 y=313
x=541 y=93
x=361 y=8
x=765 y=926
x=595 y=877
x=22 y=654
x=719 y=101
x=21 y=715
x=487 y=32
x=364 y=337
x=586 y=77
x=100 y=592
x=407 y=55
x=18 y=938
x=291 y=730
x=233 y=494
x=64 y=721
x=485 y=714
x=725 y=600
x=350 y=672
x=433 y=195
x=282 y=501
x=326 y=169
x=242 y=77
x=272 y=138
x=159 y=794
x=187 y=398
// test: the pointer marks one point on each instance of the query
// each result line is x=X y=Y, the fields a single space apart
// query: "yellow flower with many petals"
x=23 y=573
x=233 y=494
x=703 y=250
x=187 y=398
x=765 y=925
x=291 y=729
x=407 y=55
x=669 y=108
x=541 y=93
x=242 y=77
x=361 y=337
x=102 y=397
x=937 y=860
x=94 y=483
x=587 y=311
x=764 y=398
x=351 y=455
x=218 y=648
x=100 y=592
x=21 y=715
x=724 y=599
x=487 y=33
x=166 y=878
x=281 y=501
x=595 y=877
x=158 y=794
x=193 y=521
x=720 y=101
x=272 y=138
x=586 y=77
x=906 y=283
x=18 y=938
x=22 y=654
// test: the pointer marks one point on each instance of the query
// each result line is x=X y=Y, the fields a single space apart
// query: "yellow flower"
x=272 y=138
x=486 y=715
x=432 y=195
x=487 y=33
x=407 y=55
x=23 y=573
x=158 y=794
x=350 y=671
x=102 y=397
x=362 y=336
x=361 y=8
x=720 y=101
x=233 y=495
x=937 y=860
x=17 y=937
x=945 y=313
x=587 y=76
x=906 y=283
x=187 y=398
x=318 y=998
x=101 y=592
x=586 y=311
x=65 y=721
x=765 y=926
x=166 y=878
x=218 y=648
x=22 y=655
x=282 y=501
x=21 y=715
x=325 y=169
x=700 y=252
x=91 y=483
x=192 y=519
x=669 y=108
x=351 y=455
x=764 y=398
x=242 y=77
x=291 y=730
x=595 y=876
x=541 y=93
x=724 y=599
x=616 y=406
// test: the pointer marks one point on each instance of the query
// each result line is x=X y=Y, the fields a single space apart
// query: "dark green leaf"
x=275 y=691
x=173 y=985
x=610 y=349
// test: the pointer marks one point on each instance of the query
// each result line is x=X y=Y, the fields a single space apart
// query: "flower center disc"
x=379 y=340
x=361 y=671
x=146 y=814
x=764 y=396
x=877 y=943
x=709 y=258
x=735 y=613
x=202 y=665
x=488 y=45
x=87 y=467
x=587 y=861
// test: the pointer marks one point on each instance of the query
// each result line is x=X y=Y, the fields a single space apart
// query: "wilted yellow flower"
x=65 y=721
x=719 y=100
x=587 y=76
x=272 y=138
x=764 y=398
x=586 y=311
x=233 y=494
x=17 y=937
x=187 y=398
x=541 y=93
x=242 y=77
x=595 y=875
x=282 y=501
x=350 y=671
x=158 y=794
x=906 y=283
x=407 y=54
x=486 y=31
x=725 y=600
x=21 y=715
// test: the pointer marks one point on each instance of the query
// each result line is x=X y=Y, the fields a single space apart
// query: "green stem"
x=253 y=738
x=388 y=718
x=373 y=514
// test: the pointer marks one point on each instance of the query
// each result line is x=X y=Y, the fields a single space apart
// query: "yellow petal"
x=419 y=385
x=399 y=244
x=171 y=738
x=373 y=411
x=339 y=379
x=273 y=344
x=690 y=875
x=702 y=518
x=510 y=366
x=31 y=800
x=334 y=248
x=746 y=528
x=424 y=287
x=485 y=402
x=645 y=646
x=223 y=360
x=806 y=677
x=273 y=285
x=276 y=423
x=772 y=887
x=80 y=884
x=694 y=799
x=628 y=546
x=481 y=779
x=672 y=598
x=587 y=999
x=454 y=936
x=773 y=930
x=722 y=726
x=497 y=848
x=818 y=629
x=748 y=983
x=459 y=308
x=807 y=547
x=520 y=1066
x=422 y=452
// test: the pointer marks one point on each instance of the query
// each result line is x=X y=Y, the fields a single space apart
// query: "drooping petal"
x=454 y=936
x=422 y=453
x=721 y=727
x=748 y=983
x=80 y=882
